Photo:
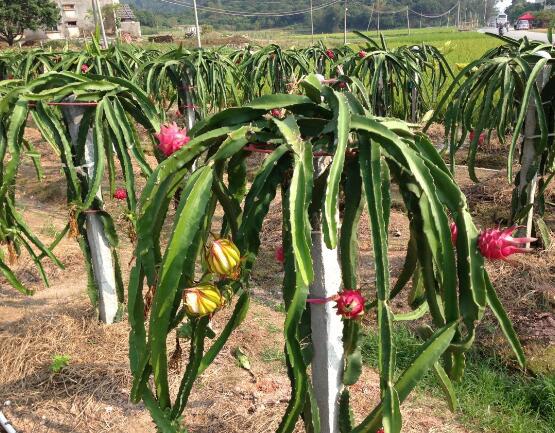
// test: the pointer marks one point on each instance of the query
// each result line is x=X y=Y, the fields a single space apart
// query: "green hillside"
x=156 y=13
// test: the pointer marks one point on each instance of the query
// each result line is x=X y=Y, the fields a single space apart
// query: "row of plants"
x=224 y=77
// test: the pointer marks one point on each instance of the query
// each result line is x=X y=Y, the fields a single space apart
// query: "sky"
x=503 y=4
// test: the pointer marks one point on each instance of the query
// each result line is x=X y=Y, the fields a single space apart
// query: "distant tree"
x=520 y=7
x=18 y=15
x=546 y=18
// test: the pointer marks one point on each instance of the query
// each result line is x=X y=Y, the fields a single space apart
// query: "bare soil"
x=91 y=394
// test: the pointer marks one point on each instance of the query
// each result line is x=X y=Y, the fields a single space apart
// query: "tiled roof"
x=126 y=13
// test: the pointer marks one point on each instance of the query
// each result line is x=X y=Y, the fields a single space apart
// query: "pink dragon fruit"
x=480 y=139
x=350 y=304
x=171 y=138
x=454 y=233
x=330 y=54
x=497 y=244
x=120 y=194
x=280 y=255
x=84 y=68
x=362 y=54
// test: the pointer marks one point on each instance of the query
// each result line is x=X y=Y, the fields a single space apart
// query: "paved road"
x=517 y=34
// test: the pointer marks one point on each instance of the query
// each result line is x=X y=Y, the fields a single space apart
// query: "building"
x=77 y=20
x=128 y=23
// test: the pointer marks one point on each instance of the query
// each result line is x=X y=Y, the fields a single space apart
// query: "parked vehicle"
x=502 y=21
x=522 y=25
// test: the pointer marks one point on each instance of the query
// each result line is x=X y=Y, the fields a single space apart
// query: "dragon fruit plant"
x=205 y=265
x=388 y=74
x=500 y=92
x=108 y=106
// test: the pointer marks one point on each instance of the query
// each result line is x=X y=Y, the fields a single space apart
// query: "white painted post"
x=327 y=327
x=529 y=151
x=414 y=100
x=312 y=22
x=190 y=103
x=101 y=253
x=100 y=21
x=345 y=25
x=199 y=45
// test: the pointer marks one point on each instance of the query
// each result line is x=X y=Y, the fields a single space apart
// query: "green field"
x=465 y=46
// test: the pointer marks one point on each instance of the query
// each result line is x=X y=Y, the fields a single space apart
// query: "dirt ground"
x=91 y=393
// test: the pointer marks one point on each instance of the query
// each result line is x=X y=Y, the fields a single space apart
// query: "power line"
x=253 y=14
x=435 y=16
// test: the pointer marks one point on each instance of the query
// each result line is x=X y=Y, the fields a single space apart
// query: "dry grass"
x=91 y=393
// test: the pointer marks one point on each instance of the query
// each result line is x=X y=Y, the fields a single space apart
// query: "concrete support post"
x=312 y=21
x=100 y=22
x=414 y=103
x=327 y=326
x=528 y=181
x=199 y=45
x=101 y=252
x=345 y=25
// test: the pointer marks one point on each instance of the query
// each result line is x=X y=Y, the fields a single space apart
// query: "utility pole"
x=311 y=22
x=370 y=19
x=345 y=25
x=408 y=20
x=196 y=24
x=485 y=12
x=100 y=22
x=378 y=9
x=459 y=15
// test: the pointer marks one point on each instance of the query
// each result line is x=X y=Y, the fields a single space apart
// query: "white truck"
x=502 y=21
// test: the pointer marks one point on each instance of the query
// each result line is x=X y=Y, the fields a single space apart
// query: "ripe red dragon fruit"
x=454 y=233
x=84 y=68
x=381 y=430
x=276 y=112
x=330 y=54
x=498 y=243
x=350 y=304
x=171 y=138
x=120 y=194
x=362 y=54
x=280 y=255
x=480 y=139
x=342 y=84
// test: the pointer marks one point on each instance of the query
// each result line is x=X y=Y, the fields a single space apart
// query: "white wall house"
x=77 y=20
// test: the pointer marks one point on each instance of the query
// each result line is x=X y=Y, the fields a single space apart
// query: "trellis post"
x=101 y=252
x=528 y=180
x=414 y=99
x=189 y=102
x=345 y=24
x=326 y=325
x=100 y=21
x=312 y=22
